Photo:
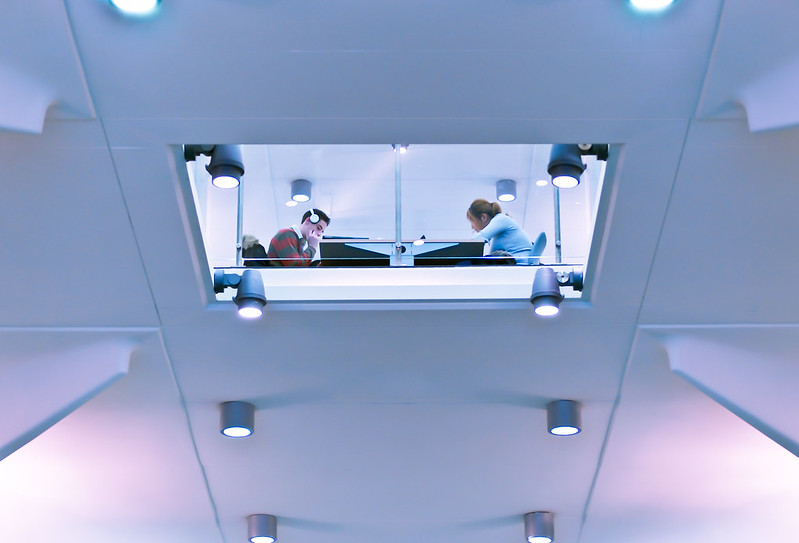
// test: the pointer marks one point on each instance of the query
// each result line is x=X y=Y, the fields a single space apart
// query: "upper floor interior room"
x=421 y=193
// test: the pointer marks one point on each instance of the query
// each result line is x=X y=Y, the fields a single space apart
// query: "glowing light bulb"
x=225 y=182
x=565 y=182
x=651 y=5
x=136 y=7
x=564 y=430
x=546 y=310
x=236 y=431
x=250 y=312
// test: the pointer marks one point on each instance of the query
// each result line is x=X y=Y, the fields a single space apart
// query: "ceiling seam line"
x=606 y=439
x=740 y=325
x=116 y=175
x=710 y=60
x=637 y=319
x=181 y=398
x=79 y=57
x=136 y=329
x=669 y=199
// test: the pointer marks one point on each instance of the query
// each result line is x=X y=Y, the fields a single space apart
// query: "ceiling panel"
x=513 y=65
x=121 y=467
x=670 y=466
x=72 y=246
x=721 y=242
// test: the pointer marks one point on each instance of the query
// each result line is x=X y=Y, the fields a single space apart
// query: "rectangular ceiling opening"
x=383 y=198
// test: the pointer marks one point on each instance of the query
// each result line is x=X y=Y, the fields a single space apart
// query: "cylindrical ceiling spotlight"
x=237 y=419
x=546 y=295
x=539 y=527
x=506 y=190
x=262 y=528
x=250 y=296
x=563 y=417
x=226 y=167
x=300 y=190
x=565 y=165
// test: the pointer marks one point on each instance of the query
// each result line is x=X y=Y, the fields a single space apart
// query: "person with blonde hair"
x=505 y=236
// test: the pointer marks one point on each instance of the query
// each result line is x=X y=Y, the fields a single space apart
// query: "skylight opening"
x=376 y=197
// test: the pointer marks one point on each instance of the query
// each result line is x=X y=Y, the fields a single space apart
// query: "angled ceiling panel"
x=73 y=250
x=37 y=73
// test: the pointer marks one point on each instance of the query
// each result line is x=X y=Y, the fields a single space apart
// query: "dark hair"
x=481 y=206
x=322 y=215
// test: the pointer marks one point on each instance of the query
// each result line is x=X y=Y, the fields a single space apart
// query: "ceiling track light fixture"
x=539 y=527
x=566 y=164
x=250 y=296
x=506 y=190
x=236 y=419
x=563 y=417
x=137 y=8
x=403 y=147
x=546 y=296
x=300 y=190
x=572 y=278
x=262 y=528
x=226 y=166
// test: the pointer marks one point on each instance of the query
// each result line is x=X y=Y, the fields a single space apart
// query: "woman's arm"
x=498 y=224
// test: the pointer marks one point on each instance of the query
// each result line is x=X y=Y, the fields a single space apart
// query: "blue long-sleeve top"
x=505 y=234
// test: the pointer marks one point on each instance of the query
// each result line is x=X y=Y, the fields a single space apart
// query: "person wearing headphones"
x=299 y=245
x=294 y=246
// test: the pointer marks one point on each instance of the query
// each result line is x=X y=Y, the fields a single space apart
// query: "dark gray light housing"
x=236 y=419
x=250 y=296
x=539 y=527
x=226 y=167
x=546 y=296
x=506 y=190
x=565 y=165
x=262 y=528
x=300 y=190
x=563 y=417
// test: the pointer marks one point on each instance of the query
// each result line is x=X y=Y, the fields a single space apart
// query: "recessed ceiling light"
x=291 y=203
x=651 y=5
x=136 y=7
x=542 y=182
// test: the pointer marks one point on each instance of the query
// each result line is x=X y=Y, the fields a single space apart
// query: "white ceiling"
x=382 y=423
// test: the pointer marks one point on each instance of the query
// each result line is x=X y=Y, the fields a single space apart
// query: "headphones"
x=314 y=218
